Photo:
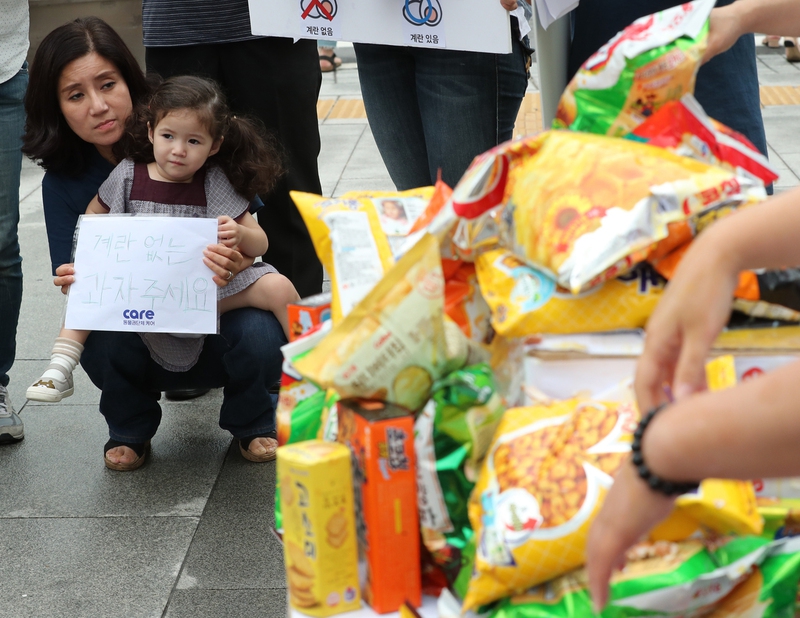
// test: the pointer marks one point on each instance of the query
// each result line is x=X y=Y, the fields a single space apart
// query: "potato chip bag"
x=684 y=128
x=542 y=482
x=652 y=61
x=527 y=301
x=588 y=207
x=353 y=236
x=463 y=301
x=743 y=578
x=393 y=345
x=451 y=436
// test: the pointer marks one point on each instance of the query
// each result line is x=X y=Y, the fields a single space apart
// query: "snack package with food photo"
x=396 y=342
x=544 y=480
x=587 y=208
x=354 y=236
x=527 y=301
x=743 y=577
x=452 y=434
x=652 y=61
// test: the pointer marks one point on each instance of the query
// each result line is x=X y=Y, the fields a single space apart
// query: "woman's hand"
x=724 y=30
x=229 y=232
x=225 y=263
x=509 y=5
x=65 y=277
x=630 y=510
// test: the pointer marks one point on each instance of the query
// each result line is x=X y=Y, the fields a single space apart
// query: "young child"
x=187 y=156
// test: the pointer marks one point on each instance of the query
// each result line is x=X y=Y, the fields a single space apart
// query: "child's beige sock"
x=64 y=358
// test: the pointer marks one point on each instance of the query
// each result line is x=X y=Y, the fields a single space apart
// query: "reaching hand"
x=694 y=309
x=65 y=277
x=229 y=232
x=630 y=510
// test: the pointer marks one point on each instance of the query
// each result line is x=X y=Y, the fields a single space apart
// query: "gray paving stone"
x=91 y=567
x=346 y=84
x=782 y=124
x=338 y=144
x=228 y=603
x=234 y=547
x=58 y=471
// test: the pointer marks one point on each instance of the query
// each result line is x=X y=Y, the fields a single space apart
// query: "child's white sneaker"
x=50 y=389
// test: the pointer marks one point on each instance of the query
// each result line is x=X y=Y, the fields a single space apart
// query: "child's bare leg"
x=56 y=382
x=271 y=292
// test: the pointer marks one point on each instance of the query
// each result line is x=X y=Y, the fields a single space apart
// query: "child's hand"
x=229 y=232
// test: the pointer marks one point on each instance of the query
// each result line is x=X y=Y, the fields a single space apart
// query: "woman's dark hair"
x=248 y=156
x=48 y=138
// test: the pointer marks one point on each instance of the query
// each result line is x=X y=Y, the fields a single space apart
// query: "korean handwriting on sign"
x=309 y=548
x=396 y=443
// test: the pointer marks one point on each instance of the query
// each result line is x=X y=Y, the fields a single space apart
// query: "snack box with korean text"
x=307 y=313
x=381 y=438
x=319 y=532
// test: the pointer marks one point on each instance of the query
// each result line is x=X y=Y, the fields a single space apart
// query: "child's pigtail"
x=249 y=157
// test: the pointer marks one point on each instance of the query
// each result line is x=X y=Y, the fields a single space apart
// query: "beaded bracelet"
x=655 y=483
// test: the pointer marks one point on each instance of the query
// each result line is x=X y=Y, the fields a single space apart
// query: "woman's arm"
x=223 y=260
x=750 y=431
x=246 y=235
x=779 y=17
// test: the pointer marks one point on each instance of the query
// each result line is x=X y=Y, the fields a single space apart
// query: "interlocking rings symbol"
x=319 y=9
x=422 y=12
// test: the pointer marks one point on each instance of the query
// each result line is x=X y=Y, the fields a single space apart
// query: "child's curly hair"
x=250 y=158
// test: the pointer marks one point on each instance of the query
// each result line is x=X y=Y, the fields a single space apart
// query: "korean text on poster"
x=143 y=274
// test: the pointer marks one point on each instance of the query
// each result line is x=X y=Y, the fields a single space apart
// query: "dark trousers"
x=245 y=359
x=278 y=82
x=727 y=87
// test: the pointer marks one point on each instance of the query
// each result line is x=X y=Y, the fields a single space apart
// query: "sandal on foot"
x=141 y=450
x=792 y=51
x=771 y=41
x=329 y=62
x=244 y=445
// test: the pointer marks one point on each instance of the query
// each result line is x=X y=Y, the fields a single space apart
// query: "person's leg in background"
x=462 y=106
x=512 y=82
x=387 y=75
x=328 y=60
x=278 y=81
x=12 y=122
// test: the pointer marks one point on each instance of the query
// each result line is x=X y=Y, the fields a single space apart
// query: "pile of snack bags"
x=411 y=463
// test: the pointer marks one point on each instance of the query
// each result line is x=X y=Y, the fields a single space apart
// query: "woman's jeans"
x=432 y=109
x=245 y=359
x=12 y=124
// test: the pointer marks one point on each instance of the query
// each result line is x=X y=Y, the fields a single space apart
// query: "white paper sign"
x=472 y=25
x=143 y=274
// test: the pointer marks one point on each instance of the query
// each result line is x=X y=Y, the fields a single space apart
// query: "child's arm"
x=246 y=235
x=94 y=207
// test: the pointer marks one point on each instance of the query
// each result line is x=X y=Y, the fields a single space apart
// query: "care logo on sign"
x=142 y=317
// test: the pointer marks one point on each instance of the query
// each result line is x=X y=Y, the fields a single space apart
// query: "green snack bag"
x=652 y=61
x=743 y=577
x=300 y=403
x=451 y=437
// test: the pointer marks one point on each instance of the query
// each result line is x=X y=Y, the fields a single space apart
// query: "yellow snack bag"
x=393 y=344
x=319 y=530
x=355 y=235
x=527 y=301
x=542 y=482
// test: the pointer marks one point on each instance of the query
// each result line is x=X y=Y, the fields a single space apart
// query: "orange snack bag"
x=381 y=441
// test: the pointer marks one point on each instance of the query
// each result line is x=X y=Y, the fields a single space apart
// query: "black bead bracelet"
x=655 y=483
